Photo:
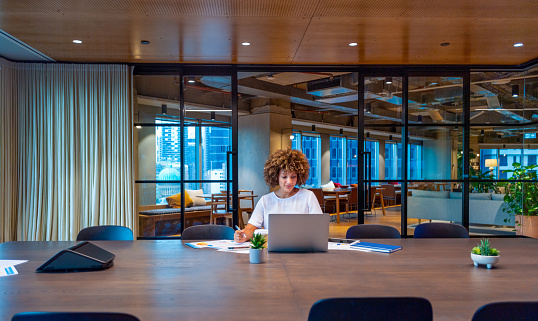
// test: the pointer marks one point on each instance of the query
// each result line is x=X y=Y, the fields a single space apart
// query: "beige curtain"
x=74 y=153
x=8 y=153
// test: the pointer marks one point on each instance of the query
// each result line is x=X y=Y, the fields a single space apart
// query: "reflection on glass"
x=216 y=142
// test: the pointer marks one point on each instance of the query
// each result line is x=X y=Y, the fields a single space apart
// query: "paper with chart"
x=7 y=267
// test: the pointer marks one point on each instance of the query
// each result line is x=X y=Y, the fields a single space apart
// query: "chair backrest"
x=372 y=231
x=353 y=198
x=440 y=230
x=105 y=233
x=389 y=190
x=249 y=200
x=319 y=195
x=208 y=232
x=73 y=316
x=372 y=309
x=514 y=311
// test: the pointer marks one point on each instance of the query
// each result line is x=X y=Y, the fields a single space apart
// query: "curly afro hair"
x=290 y=160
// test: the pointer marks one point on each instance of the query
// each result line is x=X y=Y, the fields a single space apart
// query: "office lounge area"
x=164 y=99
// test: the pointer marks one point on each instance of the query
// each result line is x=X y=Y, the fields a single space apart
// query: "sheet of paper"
x=6 y=263
x=338 y=246
x=9 y=270
x=218 y=244
x=240 y=251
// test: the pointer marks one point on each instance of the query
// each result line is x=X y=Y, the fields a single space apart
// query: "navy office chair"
x=372 y=309
x=513 y=311
x=105 y=233
x=73 y=316
x=208 y=232
x=440 y=230
x=372 y=231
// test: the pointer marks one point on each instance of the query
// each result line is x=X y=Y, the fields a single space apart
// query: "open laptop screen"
x=298 y=232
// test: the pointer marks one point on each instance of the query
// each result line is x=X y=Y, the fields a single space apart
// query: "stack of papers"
x=374 y=247
x=7 y=267
x=222 y=245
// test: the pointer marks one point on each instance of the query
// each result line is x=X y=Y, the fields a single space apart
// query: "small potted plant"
x=258 y=251
x=485 y=254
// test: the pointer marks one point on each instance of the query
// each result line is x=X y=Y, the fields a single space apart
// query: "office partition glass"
x=184 y=145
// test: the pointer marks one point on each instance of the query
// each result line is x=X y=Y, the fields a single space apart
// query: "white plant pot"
x=258 y=255
x=486 y=260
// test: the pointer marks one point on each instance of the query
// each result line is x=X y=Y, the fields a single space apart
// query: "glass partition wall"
x=184 y=139
x=421 y=146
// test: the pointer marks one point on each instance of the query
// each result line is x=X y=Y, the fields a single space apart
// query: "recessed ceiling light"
x=519 y=44
x=144 y=42
x=352 y=44
x=444 y=44
x=77 y=41
x=245 y=43
x=191 y=81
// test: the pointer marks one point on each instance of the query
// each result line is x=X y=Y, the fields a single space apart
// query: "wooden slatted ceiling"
x=302 y=32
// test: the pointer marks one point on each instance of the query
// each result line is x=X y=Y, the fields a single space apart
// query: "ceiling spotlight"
x=271 y=77
x=515 y=90
x=292 y=137
x=341 y=131
x=144 y=42
x=164 y=109
x=368 y=135
x=390 y=137
x=245 y=43
x=77 y=41
x=352 y=44
x=138 y=126
x=388 y=80
x=190 y=80
x=313 y=128
x=519 y=44
x=212 y=115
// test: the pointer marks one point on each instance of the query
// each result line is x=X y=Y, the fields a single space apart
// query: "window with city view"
x=211 y=143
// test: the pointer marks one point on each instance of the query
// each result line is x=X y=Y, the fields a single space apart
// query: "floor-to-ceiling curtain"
x=8 y=152
x=74 y=153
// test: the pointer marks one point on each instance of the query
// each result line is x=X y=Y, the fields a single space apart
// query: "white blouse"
x=303 y=202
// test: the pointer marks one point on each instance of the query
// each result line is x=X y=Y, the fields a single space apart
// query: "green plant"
x=484 y=248
x=258 y=241
x=521 y=197
x=477 y=187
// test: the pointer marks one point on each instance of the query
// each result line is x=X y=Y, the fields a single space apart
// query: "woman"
x=285 y=169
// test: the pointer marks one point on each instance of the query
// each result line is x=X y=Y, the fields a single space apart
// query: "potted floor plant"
x=258 y=251
x=483 y=253
x=522 y=200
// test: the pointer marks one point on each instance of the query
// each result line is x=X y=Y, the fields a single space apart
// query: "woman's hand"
x=240 y=237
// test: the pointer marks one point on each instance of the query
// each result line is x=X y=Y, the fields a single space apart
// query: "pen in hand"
x=237 y=227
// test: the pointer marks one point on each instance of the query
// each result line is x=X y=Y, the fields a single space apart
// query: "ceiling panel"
x=300 y=32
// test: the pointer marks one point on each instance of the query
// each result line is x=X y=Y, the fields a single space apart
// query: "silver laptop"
x=298 y=232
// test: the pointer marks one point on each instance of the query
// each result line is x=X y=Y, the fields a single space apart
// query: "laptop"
x=298 y=233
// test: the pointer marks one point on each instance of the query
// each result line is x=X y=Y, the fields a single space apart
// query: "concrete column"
x=325 y=158
x=260 y=134
x=381 y=163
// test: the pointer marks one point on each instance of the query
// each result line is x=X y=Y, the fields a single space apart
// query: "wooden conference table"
x=165 y=280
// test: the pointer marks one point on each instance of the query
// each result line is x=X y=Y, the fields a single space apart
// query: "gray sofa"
x=484 y=208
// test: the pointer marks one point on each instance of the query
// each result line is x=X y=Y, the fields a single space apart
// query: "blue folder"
x=376 y=247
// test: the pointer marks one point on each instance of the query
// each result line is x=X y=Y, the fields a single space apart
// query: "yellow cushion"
x=175 y=200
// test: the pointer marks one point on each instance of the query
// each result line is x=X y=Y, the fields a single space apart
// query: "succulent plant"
x=258 y=241
x=484 y=248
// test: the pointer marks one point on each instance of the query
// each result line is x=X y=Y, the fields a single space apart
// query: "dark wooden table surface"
x=165 y=280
